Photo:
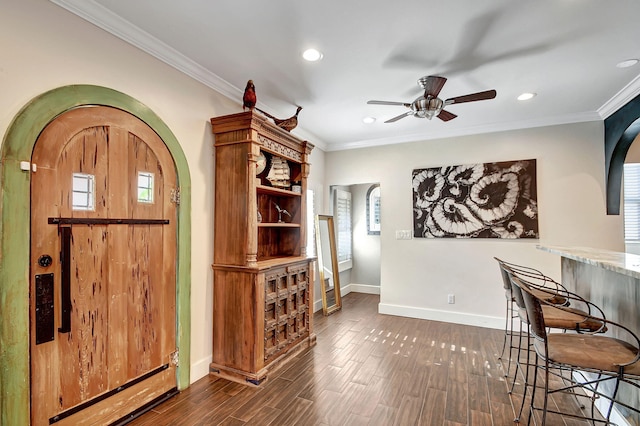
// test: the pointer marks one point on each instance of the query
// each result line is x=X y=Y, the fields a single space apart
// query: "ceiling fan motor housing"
x=427 y=107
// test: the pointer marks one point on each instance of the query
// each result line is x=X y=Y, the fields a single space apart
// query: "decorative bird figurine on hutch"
x=281 y=211
x=249 y=98
x=287 y=124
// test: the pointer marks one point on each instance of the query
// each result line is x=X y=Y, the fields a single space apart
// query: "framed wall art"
x=490 y=200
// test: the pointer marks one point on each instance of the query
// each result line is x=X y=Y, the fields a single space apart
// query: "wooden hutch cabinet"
x=262 y=277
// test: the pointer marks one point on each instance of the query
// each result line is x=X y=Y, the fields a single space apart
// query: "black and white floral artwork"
x=491 y=200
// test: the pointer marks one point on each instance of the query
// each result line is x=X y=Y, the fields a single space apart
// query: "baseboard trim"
x=444 y=316
x=361 y=288
x=350 y=288
x=200 y=368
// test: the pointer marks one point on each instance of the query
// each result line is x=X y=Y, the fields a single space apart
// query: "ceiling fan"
x=430 y=105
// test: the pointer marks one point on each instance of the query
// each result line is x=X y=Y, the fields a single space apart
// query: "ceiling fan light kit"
x=430 y=105
x=526 y=96
x=627 y=63
x=312 y=55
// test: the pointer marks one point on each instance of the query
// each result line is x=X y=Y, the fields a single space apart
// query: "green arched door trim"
x=14 y=236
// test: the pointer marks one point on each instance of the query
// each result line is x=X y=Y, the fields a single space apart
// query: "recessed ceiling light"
x=626 y=64
x=369 y=120
x=312 y=55
x=526 y=96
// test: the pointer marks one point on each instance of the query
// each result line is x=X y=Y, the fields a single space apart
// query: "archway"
x=620 y=130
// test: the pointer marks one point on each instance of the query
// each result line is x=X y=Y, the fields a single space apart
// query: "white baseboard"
x=350 y=288
x=445 y=316
x=361 y=288
x=199 y=369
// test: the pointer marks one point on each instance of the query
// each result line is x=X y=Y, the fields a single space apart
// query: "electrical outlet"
x=451 y=299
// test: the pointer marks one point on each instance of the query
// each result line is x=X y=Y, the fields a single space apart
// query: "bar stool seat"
x=552 y=297
x=590 y=352
x=567 y=319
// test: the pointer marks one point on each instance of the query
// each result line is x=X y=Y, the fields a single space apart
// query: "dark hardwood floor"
x=368 y=369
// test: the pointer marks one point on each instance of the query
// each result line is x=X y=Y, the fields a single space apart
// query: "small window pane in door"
x=145 y=187
x=83 y=192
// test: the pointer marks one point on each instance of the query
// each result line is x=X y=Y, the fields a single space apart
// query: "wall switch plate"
x=403 y=234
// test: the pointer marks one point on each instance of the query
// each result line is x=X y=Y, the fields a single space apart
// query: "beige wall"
x=418 y=274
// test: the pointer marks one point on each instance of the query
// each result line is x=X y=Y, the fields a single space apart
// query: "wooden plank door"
x=103 y=268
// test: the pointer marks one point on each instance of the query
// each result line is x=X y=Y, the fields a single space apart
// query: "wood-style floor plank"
x=370 y=369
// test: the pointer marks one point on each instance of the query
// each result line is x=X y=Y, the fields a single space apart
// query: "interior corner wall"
x=418 y=274
x=44 y=47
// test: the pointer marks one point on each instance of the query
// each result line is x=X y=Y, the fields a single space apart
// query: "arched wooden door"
x=103 y=268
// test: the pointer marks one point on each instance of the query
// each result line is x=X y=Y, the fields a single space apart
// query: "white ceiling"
x=563 y=50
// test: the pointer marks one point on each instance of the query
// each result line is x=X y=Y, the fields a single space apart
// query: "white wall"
x=43 y=47
x=417 y=274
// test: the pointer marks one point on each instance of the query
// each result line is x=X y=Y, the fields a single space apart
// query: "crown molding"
x=621 y=98
x=471 y=130
x=105 y=19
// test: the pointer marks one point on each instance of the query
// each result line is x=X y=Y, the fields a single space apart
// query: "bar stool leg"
x=533 y=390
x=526 y=380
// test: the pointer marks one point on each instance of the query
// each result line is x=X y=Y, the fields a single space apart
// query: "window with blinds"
x=342 y=215
x=632 y=201
x=373 y=210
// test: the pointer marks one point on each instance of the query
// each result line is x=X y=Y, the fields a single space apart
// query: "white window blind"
x=632 y=201
x=343 y=223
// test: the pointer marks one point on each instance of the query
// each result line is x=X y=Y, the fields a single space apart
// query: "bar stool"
x=567 y=319
x=548 y=288
x=609 y=358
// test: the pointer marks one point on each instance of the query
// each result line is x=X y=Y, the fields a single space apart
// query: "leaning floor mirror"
x=328 y=265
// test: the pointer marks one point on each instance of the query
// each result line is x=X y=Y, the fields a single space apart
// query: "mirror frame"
x=328 y=310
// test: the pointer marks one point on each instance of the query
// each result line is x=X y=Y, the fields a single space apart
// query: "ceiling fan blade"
x=480 y=96
x=446 y=115
x=389 y=103
x=432 y=85
x=406 y=114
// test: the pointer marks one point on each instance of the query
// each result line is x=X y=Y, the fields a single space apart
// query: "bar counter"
x=611 y=280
